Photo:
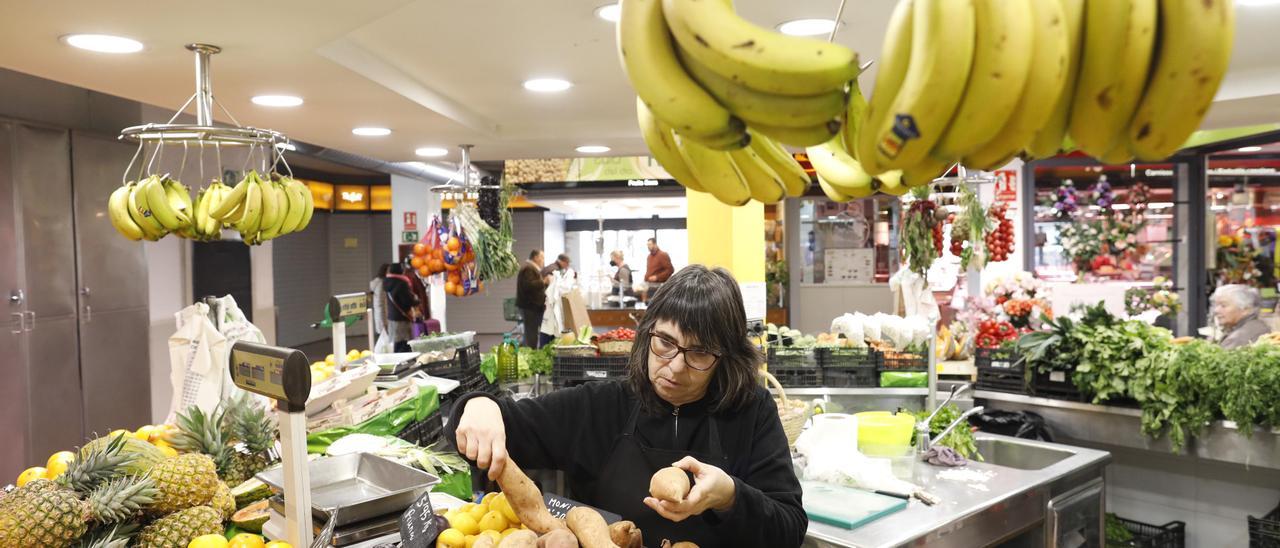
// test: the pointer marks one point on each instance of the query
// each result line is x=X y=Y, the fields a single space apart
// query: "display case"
x=849 y=243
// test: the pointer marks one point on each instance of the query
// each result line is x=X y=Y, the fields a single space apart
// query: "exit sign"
x=409 y=236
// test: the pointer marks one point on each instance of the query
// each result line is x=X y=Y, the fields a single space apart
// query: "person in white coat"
x=560 y=280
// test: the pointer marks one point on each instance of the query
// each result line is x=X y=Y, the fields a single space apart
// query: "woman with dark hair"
x=691 y=399
x=400 y=306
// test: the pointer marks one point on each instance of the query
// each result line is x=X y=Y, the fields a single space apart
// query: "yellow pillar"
x=730 y=237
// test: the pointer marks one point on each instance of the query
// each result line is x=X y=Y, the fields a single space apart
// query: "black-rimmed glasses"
x=667 y=349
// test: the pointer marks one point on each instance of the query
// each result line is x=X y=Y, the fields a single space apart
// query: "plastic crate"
x=1264 y=532
x=1000 y=370
x=443 y=342
x=833 y=357
x=571 y=370
x=791 y=356
x=1169 y=535
x=901 y=361
x=465 y=361
x=858 y=376
x=424 y=432
x=798 y=377
x=1056 y=385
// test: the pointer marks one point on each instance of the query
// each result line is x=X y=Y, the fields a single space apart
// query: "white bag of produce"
x=917 y=297
x=891 y=329
x=921 y=329
x=384 y=344
x=850 y=325
x=871 y=328
x=197 y=358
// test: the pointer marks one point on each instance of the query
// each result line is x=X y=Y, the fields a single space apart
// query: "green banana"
x=1048 y=140
x=1119 y=35
x=649 y=58
x=762 y=181
x=801 y=136
x=715 y=170
x=894 y=62
x=118 y=211
x=662 y=145
x=758 y=107
x=1195 y=48
x=757 y=57
x=794 y=178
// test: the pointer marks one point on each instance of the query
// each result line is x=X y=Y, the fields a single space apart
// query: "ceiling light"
x=432 y=152
x=1257 y=2
x=1249 y=149
x=286 y=146
x=371 y=131
x=277 y=100
x=103 y=43
x=609 y=12
x=593 y=149
x=807 y=27
x=547 y=85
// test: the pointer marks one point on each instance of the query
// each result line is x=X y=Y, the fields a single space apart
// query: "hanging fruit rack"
x=264 y=205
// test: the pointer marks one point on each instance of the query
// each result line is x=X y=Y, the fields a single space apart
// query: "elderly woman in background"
x=1235 y=307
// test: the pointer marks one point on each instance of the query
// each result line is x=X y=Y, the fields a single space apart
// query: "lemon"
x=33 y=473
x=165 y=448
x=318 y=377
x=365 y=353
x=466 y=523
x=145 y=432
x=208 y=541
x=246 y=540
x=330 y=359
x=479 y=510
x=488 y=499
x=451 y=538
x=493 y=521
x=471 y=541
x=465 y=508
x=58 y=463
x=353 y=354
x=278 y=544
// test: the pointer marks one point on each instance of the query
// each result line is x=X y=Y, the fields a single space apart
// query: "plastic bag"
x=1019 y=424
x=390 y=423
x=384 y=344
x=904 y=379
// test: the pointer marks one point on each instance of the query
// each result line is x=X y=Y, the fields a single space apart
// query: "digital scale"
x=284 y=375
x=342 y=307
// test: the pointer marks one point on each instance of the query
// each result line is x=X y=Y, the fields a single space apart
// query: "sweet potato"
x=525 y=498
x=626 y=535
x=590 y=527
x=559 y=538
x=670 y=484
x=520 y=539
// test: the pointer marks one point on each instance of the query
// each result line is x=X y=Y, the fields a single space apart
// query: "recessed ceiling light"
x=277 y=100
x=807 y=27
x=593 y=149
x=103 y=43
x=609 y=12
x=1249 y=149
x=371 y=131
x=547 y=85
x=432 y=152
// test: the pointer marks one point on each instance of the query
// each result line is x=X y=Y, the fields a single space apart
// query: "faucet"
x=923 y=440
x=928 y=443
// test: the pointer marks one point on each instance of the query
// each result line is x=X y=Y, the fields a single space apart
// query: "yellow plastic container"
x=885 y=434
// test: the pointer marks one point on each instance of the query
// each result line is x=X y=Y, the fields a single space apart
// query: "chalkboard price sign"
x=418 y=525
x=560 y=506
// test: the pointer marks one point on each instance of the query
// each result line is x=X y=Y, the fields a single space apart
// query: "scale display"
x=348 y=305
x=277 y=373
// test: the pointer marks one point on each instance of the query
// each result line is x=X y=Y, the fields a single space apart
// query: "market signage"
x=1222 y=171
x=352 y=198
x=567 y=170
x=418 y=526
x=380 y=198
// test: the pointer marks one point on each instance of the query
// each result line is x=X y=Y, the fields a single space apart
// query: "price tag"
x=278 y=373
x=560 y=506
x=418 y=527
x=348 y=305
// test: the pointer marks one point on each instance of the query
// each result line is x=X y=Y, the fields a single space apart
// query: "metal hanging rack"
x=270 y=144
x=468 y=186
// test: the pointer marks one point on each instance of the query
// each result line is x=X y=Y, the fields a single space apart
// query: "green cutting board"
x=846 y=507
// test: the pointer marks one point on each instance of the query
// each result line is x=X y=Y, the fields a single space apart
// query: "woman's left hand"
x=713 y=489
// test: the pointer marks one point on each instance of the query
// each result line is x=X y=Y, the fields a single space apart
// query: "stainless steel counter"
x=1012 y=501
x=1102 y=425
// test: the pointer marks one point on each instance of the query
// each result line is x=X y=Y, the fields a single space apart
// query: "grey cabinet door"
x=53 y=386
x=115 y=364
x=42 y=177
x=12 y=292
x=112 y=269
x=13 y=399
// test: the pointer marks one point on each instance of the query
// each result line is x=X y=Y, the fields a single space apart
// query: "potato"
x=626 y=535
x=670 y=484
x=559 y=538
x=526 y=500
x=484 y=541
x=520 y=539
x=590 y=527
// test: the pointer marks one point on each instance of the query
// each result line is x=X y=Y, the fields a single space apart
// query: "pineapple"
x=184 y=481
x=201 y=433
x=98 y=462
x=224 y=501
x=251 y=426
x=144 y=454
x=49 y=515
x=176 y=530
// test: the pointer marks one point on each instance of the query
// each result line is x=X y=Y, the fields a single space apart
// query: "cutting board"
x=846 y=507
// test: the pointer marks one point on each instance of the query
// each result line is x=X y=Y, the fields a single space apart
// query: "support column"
x=1190 y=188
x=729 y=237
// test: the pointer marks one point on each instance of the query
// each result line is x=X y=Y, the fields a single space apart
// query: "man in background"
x=561 y=265
x=622 y=283
x=658 y=269
x=531 y=297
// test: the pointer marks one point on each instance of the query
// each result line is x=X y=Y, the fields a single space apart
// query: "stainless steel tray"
x=358 y=486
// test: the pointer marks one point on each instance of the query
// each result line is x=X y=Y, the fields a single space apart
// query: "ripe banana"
x=118 y=211
x=854 y=116
x=231 y=200
x=649 y=58
x=1195 y=47
x=1048 y=140
x=311 y=204
x=1038 y=98
x=250 y=221
x=794 y=178
x=297 y=207
x=1118 y=39
x=141 y=213
x=839 y=169
x=270 y=209
x=662 y=145
x=801 y=136
x=715 y=170
x=200 y=214
x=162 y=206
x=724 y=141
x=1118 y=155
x=893 y=70
x=756 y=57
x=270 y=231
x=925 y=172
x=832 y=193
x=212 y=226
x=1004 y=35
x=762 y=181
x=890 y=182
x=941 y=55
x=758 y=107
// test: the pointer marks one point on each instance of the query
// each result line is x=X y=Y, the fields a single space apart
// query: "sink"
x=1018 y=454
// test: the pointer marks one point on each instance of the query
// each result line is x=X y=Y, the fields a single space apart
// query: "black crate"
x=1169 y=535
x=798 y=377
x=1264 y=532
x=831 y=357
x=1000 y=370
x=901 y=361
x=791 y=356
x=1056 y=385
x=859 y=376
x=465 y=360
x=571 y=370
x=424 y=432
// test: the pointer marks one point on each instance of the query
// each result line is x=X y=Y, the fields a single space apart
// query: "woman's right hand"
x=482 y=436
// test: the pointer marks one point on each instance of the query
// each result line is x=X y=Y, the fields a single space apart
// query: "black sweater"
x=574 y=430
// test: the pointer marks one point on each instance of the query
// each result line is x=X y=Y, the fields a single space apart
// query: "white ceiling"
x=440 y=73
